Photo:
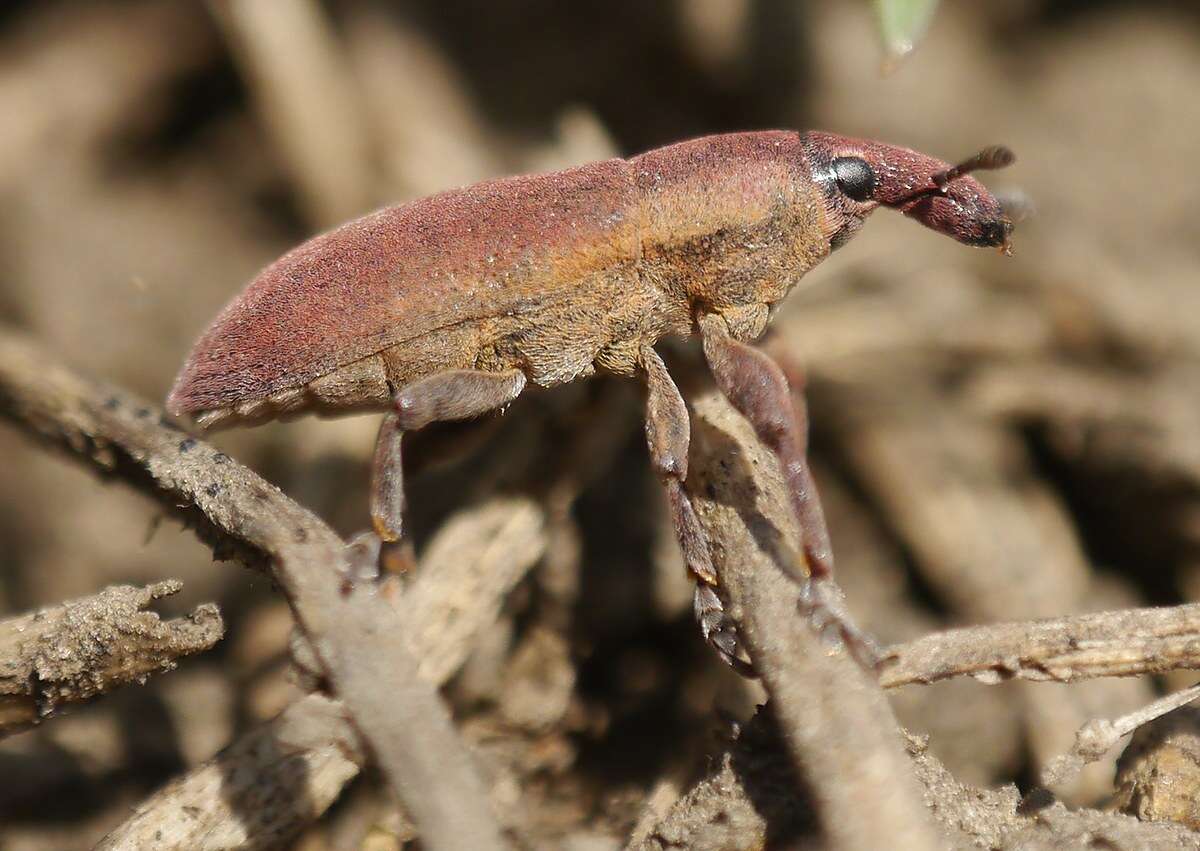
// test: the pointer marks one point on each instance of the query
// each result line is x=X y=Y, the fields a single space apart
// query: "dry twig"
x=1098 y=736
x=752 y=794
x=835 y=721
x=1105 y=644
x=280 y=777
x=77 y=650
x=988 y=535
x=355 y=635
x=750 y=801
x=259 y=792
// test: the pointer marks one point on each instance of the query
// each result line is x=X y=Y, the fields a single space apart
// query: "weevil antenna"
x=990 y=158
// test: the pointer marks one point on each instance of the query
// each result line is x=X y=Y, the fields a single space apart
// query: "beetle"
x=446 y=307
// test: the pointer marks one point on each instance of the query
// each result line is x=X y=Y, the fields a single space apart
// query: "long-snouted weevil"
x=444 y=308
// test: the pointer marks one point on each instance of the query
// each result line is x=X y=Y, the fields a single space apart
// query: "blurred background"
x=995 y=438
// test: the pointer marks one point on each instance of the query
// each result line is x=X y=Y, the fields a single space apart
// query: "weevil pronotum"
x=444 y=308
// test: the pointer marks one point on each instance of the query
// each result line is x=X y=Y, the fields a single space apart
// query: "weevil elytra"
x=444 y=308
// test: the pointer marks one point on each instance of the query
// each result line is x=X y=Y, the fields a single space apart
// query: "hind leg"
x=452 y=395
x=668 y=433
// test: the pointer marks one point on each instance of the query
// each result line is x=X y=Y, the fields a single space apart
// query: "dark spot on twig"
x=301 y=534
x=220 y=458
x=1035 y=800
x=142 y=413
x=261 y=495
x=213 y=489
x=112 y=403
x=187 y=444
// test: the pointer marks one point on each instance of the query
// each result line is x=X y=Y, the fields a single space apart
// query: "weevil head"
x=857 y=176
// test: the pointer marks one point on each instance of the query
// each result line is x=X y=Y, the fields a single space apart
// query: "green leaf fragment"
x=902 y=23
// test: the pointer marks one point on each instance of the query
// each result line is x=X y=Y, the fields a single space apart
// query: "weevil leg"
x=452 y=395
x=393 y=555
x=457 y=394
x=755 y=385
x=668 y=434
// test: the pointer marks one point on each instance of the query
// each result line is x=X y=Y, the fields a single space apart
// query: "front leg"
x=453 y=395
x=756 y=387
x=668 y=434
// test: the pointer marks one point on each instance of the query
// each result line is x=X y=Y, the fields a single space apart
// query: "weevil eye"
x=855 y=177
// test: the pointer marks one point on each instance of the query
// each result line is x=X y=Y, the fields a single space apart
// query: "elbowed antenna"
x=990 y=158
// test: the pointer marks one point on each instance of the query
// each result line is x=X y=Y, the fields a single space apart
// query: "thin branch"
x=751 y=794
x=74 y=651
x=749 y=801
x=281 y=776
x=259 y=792
x=355 y=635
x=1105 y=644
x=835 y=720
x=1098 y=736
x=987 y=534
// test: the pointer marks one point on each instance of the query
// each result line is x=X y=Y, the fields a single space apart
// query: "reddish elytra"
x=443 y=309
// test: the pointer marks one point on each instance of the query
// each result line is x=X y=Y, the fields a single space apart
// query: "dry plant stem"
x=259 y=792
x=748 y=803
x=835 y=720
x=985 y=531
x=751 y=794
x=1105 y=644
x=466 y=572
x=77 y=650
x=1098 y=736
x=993 y=818
x=356 y=636
x=280 y=777
x=308 y=98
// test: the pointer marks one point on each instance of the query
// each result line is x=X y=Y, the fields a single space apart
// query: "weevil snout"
x=859 y=176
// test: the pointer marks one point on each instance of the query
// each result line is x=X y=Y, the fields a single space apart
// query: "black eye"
x=854 y=177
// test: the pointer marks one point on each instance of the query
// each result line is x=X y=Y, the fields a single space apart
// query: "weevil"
x=445 y=308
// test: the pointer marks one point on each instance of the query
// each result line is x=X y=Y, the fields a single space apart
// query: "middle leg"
x=755 y=385
x=668 y=433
